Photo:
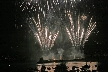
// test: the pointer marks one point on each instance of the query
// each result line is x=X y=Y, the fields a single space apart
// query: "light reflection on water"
x=23 y=66
x=69 y=65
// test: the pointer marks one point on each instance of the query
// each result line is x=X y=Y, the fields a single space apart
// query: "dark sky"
x=16 y=40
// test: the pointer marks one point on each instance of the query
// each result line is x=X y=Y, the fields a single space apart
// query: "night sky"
x=16 y=40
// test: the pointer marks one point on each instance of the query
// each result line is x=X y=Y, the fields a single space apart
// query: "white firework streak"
x=90 y=28
x=45 y=38
x=38 y=5
x=79 y=36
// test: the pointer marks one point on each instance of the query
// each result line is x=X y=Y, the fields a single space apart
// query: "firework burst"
x=45 y=37
x=78 y=33
x=46 y=17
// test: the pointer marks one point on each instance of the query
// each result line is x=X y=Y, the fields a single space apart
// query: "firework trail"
x=78 y=33
x=45 y=37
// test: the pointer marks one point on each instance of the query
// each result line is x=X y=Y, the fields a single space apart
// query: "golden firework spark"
x=79 y=34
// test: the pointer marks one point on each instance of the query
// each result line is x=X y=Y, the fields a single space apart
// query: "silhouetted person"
x=77 y=70
x=63 y=67
x=85 y=68
x=57 y=68
x=48 y=68
x=43 y=68
x=82 y=69
x=73 y=69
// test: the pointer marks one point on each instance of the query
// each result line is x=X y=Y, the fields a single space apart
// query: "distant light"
x=21 y=25
x=9 y=65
